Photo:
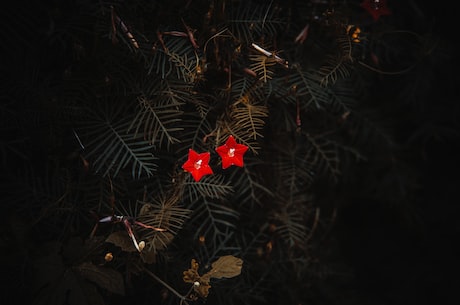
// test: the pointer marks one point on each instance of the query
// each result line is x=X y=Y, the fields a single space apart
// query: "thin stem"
x=387 y=72
x=183 y=299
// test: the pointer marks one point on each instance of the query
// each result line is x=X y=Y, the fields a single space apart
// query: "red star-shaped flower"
x=376 y=8
x=197 y=164
x=231 y=153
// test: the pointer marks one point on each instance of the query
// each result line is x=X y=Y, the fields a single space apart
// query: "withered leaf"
x=192 y=276
x=148 y=255
x=224 y=267
x=122 y=240
x=161 y=240
x=104 y=277
x=203 y=289
x=156 y=244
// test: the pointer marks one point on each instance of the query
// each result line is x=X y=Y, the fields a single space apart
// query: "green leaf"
x=250 y=21
x=111 y=148
x=157 y=122
x=213 y=186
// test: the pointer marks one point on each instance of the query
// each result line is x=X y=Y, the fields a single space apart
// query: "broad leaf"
x=225 y=267
x=106 y=278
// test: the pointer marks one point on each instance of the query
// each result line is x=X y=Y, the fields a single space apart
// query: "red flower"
x=376 y=8
x=231 y=153
x=197 y=164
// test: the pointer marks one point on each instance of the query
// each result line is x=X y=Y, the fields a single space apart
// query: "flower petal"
x=231 y=153
x=376 y=8
x=197 y=164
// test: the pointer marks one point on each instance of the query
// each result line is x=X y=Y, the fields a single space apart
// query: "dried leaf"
x=225 y=267
x=149 y=256
x=200 y=285
x=122 y=240
x=191 y=275
x=202 y=289
x=106 y=278
x=159 y=242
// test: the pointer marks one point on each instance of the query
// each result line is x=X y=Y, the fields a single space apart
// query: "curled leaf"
x=191 y=275
x=200 y=285
x=202 y=289
x=225 y=267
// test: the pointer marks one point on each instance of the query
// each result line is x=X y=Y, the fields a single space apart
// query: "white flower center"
x=231 y=152
x=198 y=164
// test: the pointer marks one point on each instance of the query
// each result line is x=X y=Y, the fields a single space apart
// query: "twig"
x=315 y=224
x=183 y=299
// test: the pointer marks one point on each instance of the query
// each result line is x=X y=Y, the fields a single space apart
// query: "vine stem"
x=387 y=72
x=183 y=299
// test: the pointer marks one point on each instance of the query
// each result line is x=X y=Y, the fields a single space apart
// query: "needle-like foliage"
x=105 y=100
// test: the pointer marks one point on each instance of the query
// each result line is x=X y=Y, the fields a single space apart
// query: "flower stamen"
x=198 y=164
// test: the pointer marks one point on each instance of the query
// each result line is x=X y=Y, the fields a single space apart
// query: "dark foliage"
x=345 y=195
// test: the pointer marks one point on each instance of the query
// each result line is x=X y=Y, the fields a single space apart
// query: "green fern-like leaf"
x=197 y=127
x=324 y=156
x=291 y=226
x=308 y=87
x=177 y=59
x=111 y=148
x=159 y=120
x=213 y=220
x=263 y=66
x=250 y=189
x=295 y=173
x=214 y=187
x=250 y=21
x=164 y=214
x=247 y=123
x=335 y=67
x=247 y=115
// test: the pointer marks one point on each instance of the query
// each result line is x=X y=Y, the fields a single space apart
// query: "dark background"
x=397 y=228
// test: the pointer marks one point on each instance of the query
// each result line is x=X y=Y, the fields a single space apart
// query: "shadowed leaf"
x=106 y=278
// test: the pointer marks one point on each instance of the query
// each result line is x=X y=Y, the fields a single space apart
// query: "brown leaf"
x=161 y=240
x=225 y=267
x=122 y=240
x=156 y=244
x=191 y=275
x=149 y=255
x=106 y=278
x=202 y=289
x=200 y=285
